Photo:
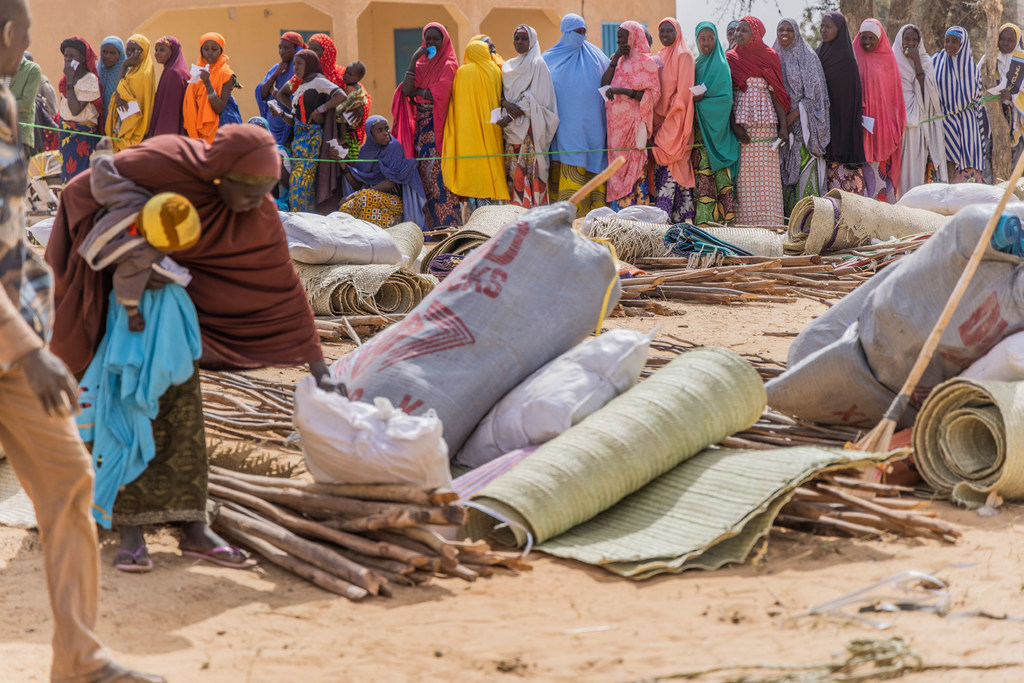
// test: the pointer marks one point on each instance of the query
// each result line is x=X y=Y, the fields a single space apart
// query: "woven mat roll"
x=409 y=238
x=481 y=226
x=758 y=241
x=363 y=290
x=633 y=240
x=841 y=220
x=695 y=401
x=969 y=440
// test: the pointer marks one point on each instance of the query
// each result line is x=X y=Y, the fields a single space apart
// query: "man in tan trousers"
x=37 y=398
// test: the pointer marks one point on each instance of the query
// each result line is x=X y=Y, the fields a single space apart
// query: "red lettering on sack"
x=355 y=395
x=507 y=256
x=852 y=416
x=984 y=327
x=443 y=331
x=407 y=405
x=919 y=394
x=498 y=278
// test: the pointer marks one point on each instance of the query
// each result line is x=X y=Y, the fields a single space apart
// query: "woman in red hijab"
x=420 y=109
x=885 y=115
x=759 y=112
x=252 y=311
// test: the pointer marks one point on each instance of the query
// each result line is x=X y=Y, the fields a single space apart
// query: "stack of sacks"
x=526 y=296
x=847 y=365
x=559 y=395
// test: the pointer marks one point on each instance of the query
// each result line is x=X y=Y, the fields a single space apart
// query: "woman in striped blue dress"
x=960 y=90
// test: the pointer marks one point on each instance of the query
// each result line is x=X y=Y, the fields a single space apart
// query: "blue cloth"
x=377 y=164
x=231 y=113
x=109 y=77
x=122 y=386
x=576 y=68
x=281 y=131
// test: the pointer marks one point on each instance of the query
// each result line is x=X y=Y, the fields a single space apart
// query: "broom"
x=878 y=438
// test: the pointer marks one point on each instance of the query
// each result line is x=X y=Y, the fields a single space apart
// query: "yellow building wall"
x=362 y=29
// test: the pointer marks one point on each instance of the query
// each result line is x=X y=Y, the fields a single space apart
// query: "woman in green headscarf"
x=716 y=151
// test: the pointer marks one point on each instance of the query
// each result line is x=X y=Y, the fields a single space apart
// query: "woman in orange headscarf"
x=673 y=126
x=208 y=101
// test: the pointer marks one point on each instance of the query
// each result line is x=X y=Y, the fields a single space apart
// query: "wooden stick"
x=597 y=181
x=392 y=493
x=878 y=438
x=328 y=582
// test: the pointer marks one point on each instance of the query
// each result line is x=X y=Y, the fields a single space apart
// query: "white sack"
x=949 y=199
x=337 y=239
x=1005 y=362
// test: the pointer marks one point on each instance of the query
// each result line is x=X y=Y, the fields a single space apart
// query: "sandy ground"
x=562 y=621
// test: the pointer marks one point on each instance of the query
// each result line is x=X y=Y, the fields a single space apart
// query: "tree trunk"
x=1000 y=127
x=856 y=11
x=900 y=13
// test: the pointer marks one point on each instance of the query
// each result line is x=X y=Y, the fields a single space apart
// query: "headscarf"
x=846 y=145
x=201 y=121
x=139 y=85
x=673 y=112
x=756 y=60
x=805 y=82
x=312 y=66
x=110 y=75
x=714 y=110
x=1003 y=61
x=251 y=306
x=526 y=82
x=169 y=222
x=576 y=68
x=883 y=98
x=436 y=75
x=391 y=162
x=921 y=105
x=959 y=81
x=630 y=123
x=90 y=66
x=329 y=60
x=495 y=57
x=468 y=132
x=170 y=92
x=277 y=125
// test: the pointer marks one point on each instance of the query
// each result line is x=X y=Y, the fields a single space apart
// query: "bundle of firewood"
x=353 y=540
x=354 y=327
x=847 y=506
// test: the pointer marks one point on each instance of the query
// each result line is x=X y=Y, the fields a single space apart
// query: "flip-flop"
x=140 y=564
x=212 y=556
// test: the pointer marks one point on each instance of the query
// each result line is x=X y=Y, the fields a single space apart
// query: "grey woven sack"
x=521 y=299
x=853 y=377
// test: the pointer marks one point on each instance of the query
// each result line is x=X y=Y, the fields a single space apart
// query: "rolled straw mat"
x=969 y=440
x=481 y=226
x=409 y=238
x=633 y=240
x=757 y=241
x=15 y=507
x=841 y=220
x=363 y=290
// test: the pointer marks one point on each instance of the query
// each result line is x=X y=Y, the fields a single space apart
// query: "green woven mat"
x=695 y=401
x=707 y=512
x=969 y=440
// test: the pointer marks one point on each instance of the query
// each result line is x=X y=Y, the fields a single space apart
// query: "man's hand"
x=52 y=382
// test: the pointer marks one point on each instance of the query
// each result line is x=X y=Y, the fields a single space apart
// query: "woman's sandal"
x=138 y=562
x=213 y=555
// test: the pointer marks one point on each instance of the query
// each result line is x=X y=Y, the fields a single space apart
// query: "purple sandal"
x=140 y=560
x=213 y=554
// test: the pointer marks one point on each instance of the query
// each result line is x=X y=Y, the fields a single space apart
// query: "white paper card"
x=776 y=144
x=342 y=151
x=75 y=64
x=604 y=91
x=699 y=89
x=350 y=117
x=803 y=123
x=133 y=108
x=195 y=71
x=868 y=123
x=495 y=115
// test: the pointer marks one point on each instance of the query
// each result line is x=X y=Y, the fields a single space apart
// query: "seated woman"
x=387 y=185
x=241 y=270
x=311 y=99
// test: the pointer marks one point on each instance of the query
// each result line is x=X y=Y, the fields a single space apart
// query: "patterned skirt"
x=846 y=178
x=443 y=208
x=75 y=150
x=638 y=196
x=306 y=142
x=173 y=486
x=526 y=186
x=673 y=198
x=959 y=175
x=806 y=185
x=573 y=178
x=714 y=193
x=759 y=185
x=380 y=208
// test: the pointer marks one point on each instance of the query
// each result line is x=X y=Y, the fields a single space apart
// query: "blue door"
x=407 y=41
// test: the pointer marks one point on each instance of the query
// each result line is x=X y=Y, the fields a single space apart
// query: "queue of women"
x=738 y=134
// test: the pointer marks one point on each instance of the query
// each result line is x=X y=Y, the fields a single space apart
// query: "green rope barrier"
x=65 y=131
x=970 y=106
